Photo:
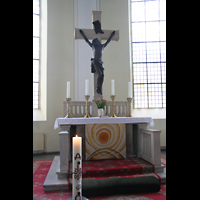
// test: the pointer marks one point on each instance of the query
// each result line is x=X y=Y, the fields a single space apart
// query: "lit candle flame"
x=76 y=136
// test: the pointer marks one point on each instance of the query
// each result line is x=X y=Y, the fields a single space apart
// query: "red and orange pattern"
x=105 y=141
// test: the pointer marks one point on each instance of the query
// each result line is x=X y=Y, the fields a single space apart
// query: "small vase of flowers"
x=100 y=105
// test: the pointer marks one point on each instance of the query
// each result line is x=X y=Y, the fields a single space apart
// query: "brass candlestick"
x=129 y=101
x=68 y=101
x=113 y=106
x=87 y=113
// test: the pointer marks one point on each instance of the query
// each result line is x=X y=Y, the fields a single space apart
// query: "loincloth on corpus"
x=97 y=66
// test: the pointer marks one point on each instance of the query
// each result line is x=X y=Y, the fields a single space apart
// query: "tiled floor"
x=52 y=155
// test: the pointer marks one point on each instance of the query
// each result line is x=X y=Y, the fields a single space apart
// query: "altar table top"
x=103 y=120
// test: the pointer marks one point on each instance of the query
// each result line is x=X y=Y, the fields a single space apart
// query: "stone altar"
x=140 y=142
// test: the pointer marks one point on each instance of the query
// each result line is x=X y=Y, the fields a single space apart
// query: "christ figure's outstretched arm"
x=109 y=39
x=85 y=38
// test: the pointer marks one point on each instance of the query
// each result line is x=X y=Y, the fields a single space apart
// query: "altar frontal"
x=105 y=141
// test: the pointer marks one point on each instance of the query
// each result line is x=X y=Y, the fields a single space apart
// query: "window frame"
x=160 y=62
x=39 y=60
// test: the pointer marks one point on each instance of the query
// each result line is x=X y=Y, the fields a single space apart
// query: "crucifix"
x=97 y=36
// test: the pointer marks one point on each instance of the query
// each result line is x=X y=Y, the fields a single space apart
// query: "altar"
x=140 y=142
x=72 y=126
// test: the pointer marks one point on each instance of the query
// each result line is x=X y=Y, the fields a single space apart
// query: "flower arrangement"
x=101 y=103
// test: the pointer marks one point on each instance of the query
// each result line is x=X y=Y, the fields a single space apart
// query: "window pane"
x=153 y=52
x=152 y=12
x=140 y=96
x=164 y=94
x=138 y=32
x=162 y=9
x=36 y=48
x=154 y=74
x=35 y=70
x=152 y=31
x=155 y=95
x=163 y=31
x=163 y=68
x=36 y=25
x=138 y=12
x=163 y=51
x=35 y=95
x=36 y=4
x=139 y=73
x=139 y=52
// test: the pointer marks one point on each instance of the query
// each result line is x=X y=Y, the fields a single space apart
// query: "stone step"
x=159 y=168
x=162 y=176
x=52 y=183
x=161 y=171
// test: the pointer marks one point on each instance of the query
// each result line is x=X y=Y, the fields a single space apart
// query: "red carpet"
x=96 y=170
x=117 y=168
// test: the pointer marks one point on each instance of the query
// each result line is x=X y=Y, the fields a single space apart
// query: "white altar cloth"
x=108 y=120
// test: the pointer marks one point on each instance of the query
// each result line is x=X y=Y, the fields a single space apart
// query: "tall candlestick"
x=77 y=167
x=112 y=87
x=68 y=112
x=113 y=106
x=87 y=112
x=68 y=89
x=86 y=87
x=129 y=102
x=129 y=90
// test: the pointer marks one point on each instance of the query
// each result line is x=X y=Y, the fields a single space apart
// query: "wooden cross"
x=90 y=34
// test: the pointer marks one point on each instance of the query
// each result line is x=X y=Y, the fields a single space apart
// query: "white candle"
x=112 y=87
x=68 y=89
x=76 y=157
x=86 y=87
x=129 y=90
